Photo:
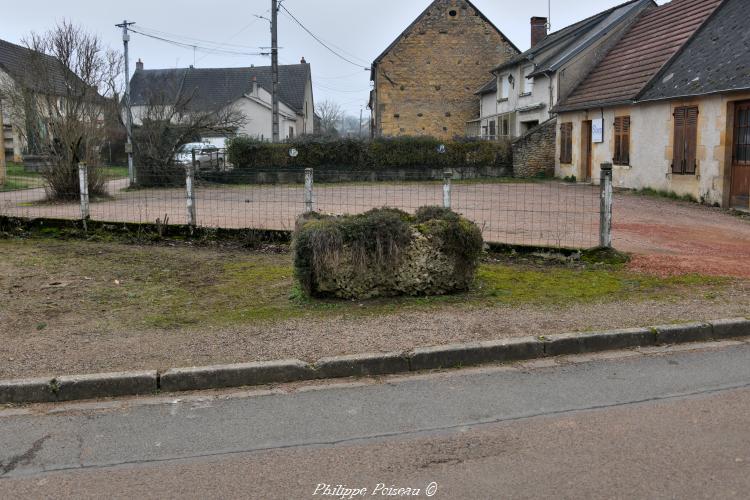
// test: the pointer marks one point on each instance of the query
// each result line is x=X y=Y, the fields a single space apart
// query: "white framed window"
x=504 y=87
x=527 y=84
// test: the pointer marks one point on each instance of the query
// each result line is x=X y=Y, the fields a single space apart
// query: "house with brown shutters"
x=668 y=106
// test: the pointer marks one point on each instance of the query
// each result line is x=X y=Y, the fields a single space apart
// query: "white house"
x=246 y=89
x=523 y=90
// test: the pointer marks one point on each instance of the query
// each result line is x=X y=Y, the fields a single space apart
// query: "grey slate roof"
x=564 y=44
x=716 y=59
x=489 y=87
x=212 y=88
x=22 y=63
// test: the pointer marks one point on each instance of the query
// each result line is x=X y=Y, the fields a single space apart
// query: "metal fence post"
x=309 y=190
x=605 y=210
x=190 y=194
x=83 y=182
x=447 y=177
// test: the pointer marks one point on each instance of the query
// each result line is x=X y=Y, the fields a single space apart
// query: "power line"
x=317 y=39
x=193 y=40
x=192 y=46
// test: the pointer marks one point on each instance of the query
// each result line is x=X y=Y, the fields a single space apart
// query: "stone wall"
x=425 y=84
x=534 y=152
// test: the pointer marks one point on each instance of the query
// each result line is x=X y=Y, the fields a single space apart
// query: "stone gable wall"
x=425 y=85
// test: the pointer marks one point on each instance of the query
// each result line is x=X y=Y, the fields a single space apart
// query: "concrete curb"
x=362 y=365
x=239 y=375
x=68 y=388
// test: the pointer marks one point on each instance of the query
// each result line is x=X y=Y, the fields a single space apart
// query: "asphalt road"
x=667 y=424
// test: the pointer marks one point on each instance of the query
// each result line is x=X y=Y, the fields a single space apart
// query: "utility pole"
x=275 y=67
x=128 y=112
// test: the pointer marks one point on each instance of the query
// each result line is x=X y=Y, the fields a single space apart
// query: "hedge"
x=401 y=152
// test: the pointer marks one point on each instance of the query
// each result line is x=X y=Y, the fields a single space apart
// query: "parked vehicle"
x=207 y=156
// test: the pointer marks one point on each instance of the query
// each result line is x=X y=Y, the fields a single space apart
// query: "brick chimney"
x=538 y=30
x=255 y=86
x=139 y=65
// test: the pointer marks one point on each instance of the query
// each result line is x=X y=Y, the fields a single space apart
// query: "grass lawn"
x=80 y=306
x=165 y=287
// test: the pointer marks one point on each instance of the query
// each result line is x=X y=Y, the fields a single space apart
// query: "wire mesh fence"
x=544 y=213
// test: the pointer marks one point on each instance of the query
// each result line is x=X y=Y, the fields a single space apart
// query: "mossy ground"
x=116 y=287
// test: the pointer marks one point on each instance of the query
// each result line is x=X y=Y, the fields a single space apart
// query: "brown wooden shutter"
x=618 y=141
x=625 y=144
x=566 y=143
x=678 y=156
x=691 y=140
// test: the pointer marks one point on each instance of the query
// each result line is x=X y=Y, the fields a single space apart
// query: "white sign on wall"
x=597 y=130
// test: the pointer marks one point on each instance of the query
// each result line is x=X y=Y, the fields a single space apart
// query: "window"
x=291 y=132
x=504 y=87
x=505 y=126
x=684 y=158
x=493 y=129
x=528 y=83
x=566 y=143
x=622 y=141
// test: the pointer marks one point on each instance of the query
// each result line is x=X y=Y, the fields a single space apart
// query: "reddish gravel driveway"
x=670 y=237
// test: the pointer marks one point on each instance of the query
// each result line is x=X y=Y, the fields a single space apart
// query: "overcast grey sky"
x=359 y=29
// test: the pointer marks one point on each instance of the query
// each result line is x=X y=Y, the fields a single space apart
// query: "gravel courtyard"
x=666 y=236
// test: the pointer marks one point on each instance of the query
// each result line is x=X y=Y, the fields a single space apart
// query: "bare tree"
x=68 y=90
x=331 y=114
x=169 y=120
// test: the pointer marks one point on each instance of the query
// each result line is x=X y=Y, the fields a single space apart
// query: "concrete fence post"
x=605 y=210
x=309 y=207
x=447 y=177
x=190 y=193
x=83 y=183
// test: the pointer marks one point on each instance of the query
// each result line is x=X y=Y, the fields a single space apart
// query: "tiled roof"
x=23 y=65
x=560 y=46
x=717 y=59
x=211 y=88
x=648 y=45
x=488 y=87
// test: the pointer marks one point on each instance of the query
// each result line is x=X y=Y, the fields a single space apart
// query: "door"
x=739 y=195
x=586 y=150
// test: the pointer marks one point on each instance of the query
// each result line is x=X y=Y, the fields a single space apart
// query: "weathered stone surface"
x=534 y=153
x=386 y=253
x=425 y=84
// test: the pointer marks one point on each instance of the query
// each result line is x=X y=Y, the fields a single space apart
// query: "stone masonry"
x=425 y=81
x=534 y=152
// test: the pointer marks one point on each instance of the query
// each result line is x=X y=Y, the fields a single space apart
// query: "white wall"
x=652 y=135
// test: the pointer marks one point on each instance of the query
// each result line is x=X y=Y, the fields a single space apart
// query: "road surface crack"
x=24 y=458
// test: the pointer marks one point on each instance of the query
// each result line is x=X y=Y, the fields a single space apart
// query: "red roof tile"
x=650 y=43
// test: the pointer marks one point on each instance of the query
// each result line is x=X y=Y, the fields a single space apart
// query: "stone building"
x=424 y=82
